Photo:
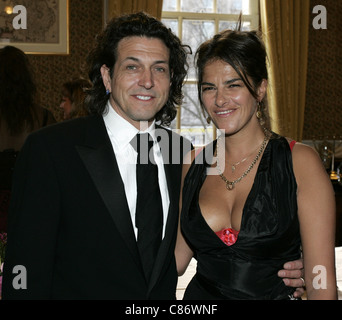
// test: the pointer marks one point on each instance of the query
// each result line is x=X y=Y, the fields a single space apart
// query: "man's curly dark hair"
x=105 y=52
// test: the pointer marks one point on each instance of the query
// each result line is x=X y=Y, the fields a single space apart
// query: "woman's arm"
x=316 y=212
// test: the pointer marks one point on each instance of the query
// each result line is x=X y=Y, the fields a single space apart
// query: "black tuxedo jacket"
x=69 y=222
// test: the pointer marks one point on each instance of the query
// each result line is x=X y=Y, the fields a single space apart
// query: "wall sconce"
x=7 y=6
x=8 y=10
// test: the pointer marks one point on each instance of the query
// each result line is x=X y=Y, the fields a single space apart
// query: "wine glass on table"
x=335 y=175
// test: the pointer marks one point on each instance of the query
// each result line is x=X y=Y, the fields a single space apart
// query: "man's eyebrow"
x=206 y=84
x=131 y=58
x=138 y=60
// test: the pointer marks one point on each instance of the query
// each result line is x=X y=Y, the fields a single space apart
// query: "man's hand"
x=293 y=276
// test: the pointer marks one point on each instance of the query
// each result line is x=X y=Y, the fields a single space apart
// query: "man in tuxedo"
x=75 y=224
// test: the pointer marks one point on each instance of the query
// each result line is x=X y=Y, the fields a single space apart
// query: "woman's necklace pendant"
x=229 y=186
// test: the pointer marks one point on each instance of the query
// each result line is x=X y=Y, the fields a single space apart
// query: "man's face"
x=141 y=79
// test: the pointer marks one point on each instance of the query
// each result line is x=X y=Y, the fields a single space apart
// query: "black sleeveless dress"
x=269 y=234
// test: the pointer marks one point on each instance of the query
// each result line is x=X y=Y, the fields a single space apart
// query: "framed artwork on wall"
x=35 y=26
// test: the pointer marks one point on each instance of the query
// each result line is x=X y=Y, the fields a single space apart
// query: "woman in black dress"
x=251 y=199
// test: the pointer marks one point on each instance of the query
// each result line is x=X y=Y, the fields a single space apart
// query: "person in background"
x=20 y=114
x=74 y=93
x=265 y=196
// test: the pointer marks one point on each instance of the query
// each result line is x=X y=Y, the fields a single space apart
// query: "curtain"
x=285 y=25
x=118 y=7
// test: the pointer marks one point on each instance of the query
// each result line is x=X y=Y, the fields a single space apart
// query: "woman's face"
x=66 y=106
x=226 y=98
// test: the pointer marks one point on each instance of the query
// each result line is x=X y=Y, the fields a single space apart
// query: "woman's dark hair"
x=17 y=90
x=245 y=52
x=76 y=91
x=105 y=52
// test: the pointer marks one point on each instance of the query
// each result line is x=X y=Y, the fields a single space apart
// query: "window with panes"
x=195 y=21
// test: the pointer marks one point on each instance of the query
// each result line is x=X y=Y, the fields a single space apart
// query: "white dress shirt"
x=121 y=132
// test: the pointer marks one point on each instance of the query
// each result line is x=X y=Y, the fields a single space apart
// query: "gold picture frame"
x=47 y=26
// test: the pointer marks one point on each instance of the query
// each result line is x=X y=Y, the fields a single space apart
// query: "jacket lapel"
x=173 y=174
x=98 y=156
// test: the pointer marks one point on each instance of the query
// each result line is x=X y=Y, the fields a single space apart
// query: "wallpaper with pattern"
x=51 y=71
x=323 y=110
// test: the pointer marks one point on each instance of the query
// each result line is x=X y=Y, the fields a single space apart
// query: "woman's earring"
x=259 y=113
x=107 y=92
x=208 y=120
